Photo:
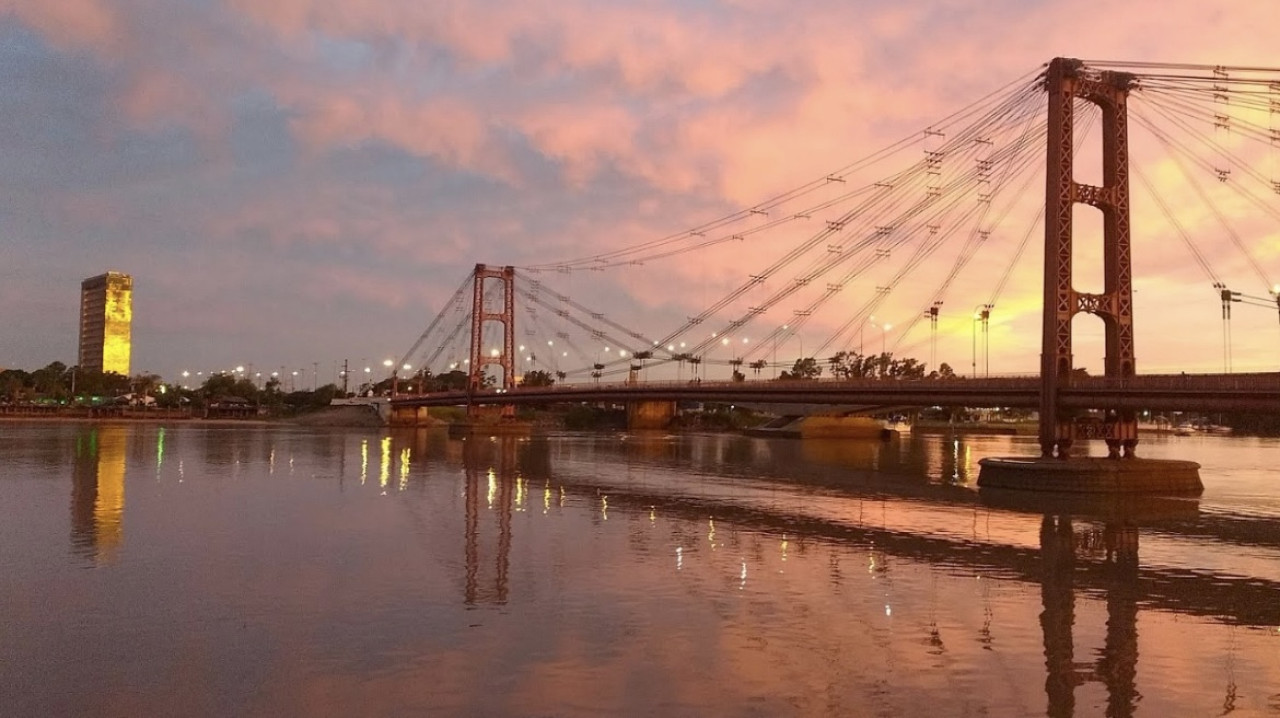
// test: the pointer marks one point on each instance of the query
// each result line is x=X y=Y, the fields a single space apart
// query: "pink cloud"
x=70 y=24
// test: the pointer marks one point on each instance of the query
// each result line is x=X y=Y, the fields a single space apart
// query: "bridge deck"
x=1161 y=392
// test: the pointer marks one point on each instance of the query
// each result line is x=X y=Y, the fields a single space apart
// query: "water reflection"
x=488 y=546
x=786 y=575
x=97 y=491
x=1117 y=665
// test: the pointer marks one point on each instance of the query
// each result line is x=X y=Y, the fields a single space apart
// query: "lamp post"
x=986 y=339
x=933 y=333
x=785 y=327
x=973 y=335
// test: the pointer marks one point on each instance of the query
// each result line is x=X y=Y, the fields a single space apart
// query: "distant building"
x=106 y=316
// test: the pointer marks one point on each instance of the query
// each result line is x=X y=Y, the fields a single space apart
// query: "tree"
x=455 y=380
x=222 y=385
x=805 y=369
x=145 y=384
x=97 y=383
x=537 y=377
x=52 y=381
x=15 y=384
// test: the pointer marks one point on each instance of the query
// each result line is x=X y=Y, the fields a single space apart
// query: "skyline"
x=309 y=181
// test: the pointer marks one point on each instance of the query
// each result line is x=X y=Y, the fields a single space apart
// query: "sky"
x=299 y=182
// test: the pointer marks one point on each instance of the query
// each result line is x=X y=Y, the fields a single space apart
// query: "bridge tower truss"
x=1066 y=81
x=480 y=314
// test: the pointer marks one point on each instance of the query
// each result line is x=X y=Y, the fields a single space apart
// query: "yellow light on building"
x=106 y=319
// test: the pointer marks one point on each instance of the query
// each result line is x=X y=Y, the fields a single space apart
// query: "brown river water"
x=264 y=570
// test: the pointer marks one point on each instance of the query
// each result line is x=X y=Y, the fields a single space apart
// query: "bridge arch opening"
x=1088 y=343
x=1087 y=242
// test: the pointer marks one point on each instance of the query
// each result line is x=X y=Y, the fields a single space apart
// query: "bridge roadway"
x=1157 y=392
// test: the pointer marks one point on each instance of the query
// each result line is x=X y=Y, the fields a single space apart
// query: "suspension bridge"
x=943 y=218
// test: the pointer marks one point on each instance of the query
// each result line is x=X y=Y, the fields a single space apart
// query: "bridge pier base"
x=652 y=415
x=1080 y=474
x=416 y=416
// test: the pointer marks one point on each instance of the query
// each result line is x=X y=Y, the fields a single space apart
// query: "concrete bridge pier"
x=650 y=415
x=410 y=416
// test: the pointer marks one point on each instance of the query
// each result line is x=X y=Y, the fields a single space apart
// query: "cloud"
x=398 y=142
x=72 y=25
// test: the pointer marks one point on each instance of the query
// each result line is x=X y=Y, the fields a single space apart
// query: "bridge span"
x=1157 y=392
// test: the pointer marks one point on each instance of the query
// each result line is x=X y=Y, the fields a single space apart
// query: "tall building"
x=106 y=315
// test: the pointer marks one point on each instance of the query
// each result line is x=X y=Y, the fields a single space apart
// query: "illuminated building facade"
x=106 y=316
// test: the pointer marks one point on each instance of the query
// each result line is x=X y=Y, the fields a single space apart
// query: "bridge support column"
x=1066 y=81
x=506 y=316
x=643 y=415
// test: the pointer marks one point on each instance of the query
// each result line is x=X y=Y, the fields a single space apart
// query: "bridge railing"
x=1015 y=382
x=1257 y=381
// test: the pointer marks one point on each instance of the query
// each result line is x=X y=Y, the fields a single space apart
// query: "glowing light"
x=384 y=468
x=679 y=557
x=364 y=461
x=387 y=363
x=494 y=352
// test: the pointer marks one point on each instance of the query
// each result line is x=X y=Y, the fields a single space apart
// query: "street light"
x=785 y=327
x=932 y=314
x=973 y=336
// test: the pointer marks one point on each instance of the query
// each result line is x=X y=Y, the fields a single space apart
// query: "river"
x=270 y=570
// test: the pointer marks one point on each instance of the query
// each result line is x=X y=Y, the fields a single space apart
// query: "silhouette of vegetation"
x=537 y=377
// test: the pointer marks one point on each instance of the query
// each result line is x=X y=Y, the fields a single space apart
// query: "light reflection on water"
x=265 y=570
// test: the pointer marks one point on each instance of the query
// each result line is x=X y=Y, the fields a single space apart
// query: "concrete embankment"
x=358 y=416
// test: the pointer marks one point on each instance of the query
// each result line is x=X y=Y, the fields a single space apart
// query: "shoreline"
x=55 y=419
